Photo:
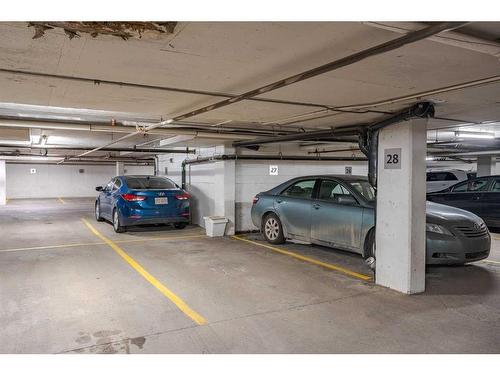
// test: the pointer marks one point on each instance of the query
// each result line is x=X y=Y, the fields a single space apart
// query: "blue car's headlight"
x=436 y=228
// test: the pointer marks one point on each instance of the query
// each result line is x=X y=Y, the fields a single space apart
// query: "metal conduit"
x=110 y=149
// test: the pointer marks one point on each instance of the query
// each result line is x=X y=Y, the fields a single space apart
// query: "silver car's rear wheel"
x=272 y=229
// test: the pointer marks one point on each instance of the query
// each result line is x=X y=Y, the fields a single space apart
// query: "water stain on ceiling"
x=124 y=30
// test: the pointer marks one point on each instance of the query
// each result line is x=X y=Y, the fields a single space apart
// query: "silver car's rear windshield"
x=149 y=183
x=365 y=189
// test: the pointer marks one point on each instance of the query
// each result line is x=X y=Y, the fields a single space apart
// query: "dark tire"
x=116 y=222
x=97 y=211
x=369 y=251
x=272 y=230
x=180 y=225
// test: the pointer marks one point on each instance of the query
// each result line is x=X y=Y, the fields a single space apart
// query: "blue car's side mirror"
x=98 y=188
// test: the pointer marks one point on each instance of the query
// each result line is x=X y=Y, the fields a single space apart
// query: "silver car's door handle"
x=316 y=206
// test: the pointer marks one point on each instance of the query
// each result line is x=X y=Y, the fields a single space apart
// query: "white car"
x=441 y=179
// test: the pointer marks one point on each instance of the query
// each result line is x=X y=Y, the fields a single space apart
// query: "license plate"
x=161 y=200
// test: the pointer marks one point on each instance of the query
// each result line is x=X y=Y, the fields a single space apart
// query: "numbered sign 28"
x=392 y=158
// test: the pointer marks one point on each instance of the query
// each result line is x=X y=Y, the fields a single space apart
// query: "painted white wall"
x=53 y=181
x=200 y=180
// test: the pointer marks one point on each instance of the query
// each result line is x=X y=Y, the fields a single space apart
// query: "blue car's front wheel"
x=97 y=211
x=116 y=222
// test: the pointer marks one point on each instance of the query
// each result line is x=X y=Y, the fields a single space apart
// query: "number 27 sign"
x=273 y=170
x=392 y=158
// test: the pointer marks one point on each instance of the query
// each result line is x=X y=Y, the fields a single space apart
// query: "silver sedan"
x=338 y=212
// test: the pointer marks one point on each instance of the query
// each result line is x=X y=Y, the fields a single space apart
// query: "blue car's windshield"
x=365 y=189
x=149 y=183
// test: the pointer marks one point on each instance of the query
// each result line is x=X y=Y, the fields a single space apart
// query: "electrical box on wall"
x=81 y=170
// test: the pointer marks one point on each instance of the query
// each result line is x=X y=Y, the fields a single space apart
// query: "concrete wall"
x=53 y=181
x=200 y=180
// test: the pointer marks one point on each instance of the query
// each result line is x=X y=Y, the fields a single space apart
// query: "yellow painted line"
x=61 y=200
x=309 y=260
x=144 y=239
x=491 y=261
x=50 y=247
x=160 y=238
x=197 y=318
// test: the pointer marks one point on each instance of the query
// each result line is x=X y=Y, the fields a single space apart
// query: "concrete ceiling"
x=237 y=57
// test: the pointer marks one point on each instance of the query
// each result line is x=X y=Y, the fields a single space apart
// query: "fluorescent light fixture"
x=43 y=140
x=475 y=135
x=429 y=158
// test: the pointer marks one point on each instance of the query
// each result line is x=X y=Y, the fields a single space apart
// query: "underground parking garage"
x=249 y=187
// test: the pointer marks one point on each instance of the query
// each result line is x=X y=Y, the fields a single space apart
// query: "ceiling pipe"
x=493 y=151
x=27 y=156
x=82 y=163
x=348 y=60
x=335 y=133
x=209 y=128
x=451 y=38
x=21 y=123
x=323 y=151
x=109 y=149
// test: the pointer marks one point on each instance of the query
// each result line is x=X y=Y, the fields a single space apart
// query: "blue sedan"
x=136 y=200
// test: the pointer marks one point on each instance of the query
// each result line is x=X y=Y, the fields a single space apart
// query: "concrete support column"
x=225 y=189
x=120 y=168
x=486 y=164
x=3 y=183
x=400 y=225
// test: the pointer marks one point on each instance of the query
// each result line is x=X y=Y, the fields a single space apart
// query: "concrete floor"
x=62 y=290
